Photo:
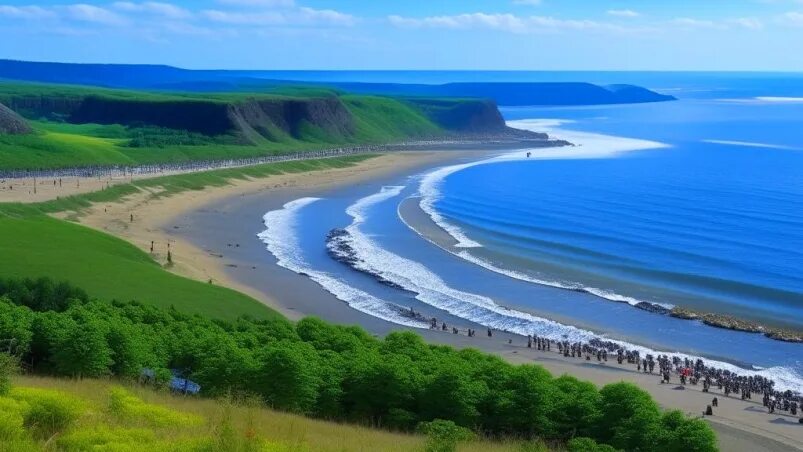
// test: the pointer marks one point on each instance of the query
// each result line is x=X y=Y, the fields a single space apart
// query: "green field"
x=33 y=244
x=58 y=141
x=111 y=268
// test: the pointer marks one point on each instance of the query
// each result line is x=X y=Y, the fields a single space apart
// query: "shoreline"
x=205 y=229
x=417 y=220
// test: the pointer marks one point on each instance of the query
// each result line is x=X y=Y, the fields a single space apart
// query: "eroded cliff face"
x=12 y=123
x=252 y=120
x=465 y=116
x=297 y=118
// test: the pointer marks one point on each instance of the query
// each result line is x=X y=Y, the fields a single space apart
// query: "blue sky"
x=411 y=34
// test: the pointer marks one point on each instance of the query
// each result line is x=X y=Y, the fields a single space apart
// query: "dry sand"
x=30 y=190
x=203 y=228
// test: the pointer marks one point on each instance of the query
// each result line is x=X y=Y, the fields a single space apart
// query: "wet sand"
x=213 y=236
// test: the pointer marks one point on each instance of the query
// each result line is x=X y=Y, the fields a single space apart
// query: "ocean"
x=695 y=203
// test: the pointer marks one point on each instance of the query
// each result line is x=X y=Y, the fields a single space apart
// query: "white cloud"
x=623 y=13
x=793 y=18
x=327 y=16
x=747 y=22
x=259 y=3
x=26 y=12
x=695 y=23
x=244 y=18
x=296 y=16
x=90 y=13
x=501 y=22
x=167 y=10
x=750 y=23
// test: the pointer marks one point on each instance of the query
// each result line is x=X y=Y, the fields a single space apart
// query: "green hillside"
x=82 y=126
x=34 y=244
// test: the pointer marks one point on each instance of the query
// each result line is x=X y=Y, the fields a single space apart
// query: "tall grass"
x=202 y=425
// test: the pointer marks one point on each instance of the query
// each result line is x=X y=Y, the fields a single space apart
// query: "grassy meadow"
x=115 y=416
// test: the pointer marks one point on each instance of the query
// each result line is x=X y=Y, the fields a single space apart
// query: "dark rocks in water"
x=12 y=123
x=730 y=323
x=652 y=307
x=684 y=314
x=785 y=336
x=339 y=249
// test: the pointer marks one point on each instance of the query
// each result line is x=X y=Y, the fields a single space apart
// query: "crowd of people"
x=670 y=369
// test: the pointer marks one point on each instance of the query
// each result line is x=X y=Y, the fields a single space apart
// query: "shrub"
x=443 y=436
x=587 y=445
x=102 y=437
x=126 y=406
x=49 y=412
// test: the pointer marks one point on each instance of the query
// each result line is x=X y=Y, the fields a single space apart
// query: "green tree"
x=575 y=410
x=451 y=394
x=288 y=376
x=130 y=349
x=679 y=434
x=532 y=394
x=629 y=417
x=83 y=352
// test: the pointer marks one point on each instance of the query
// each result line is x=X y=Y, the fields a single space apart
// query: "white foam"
x=282 y=241
x=765 y=100
x=749 y=144
x=432 y=290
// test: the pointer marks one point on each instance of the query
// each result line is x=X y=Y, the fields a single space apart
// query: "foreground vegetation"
x=34 y=244
x=333 y=372
x=107 y=415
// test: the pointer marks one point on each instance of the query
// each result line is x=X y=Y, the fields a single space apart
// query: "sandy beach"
x=212 y=238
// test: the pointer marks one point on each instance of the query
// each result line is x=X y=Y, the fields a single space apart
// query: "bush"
x=587 y=445
x=49 y=412
x=443 y=436
x=126 y=406
x=102 y=437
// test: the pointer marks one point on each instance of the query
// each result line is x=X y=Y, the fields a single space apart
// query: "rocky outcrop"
x=12 y=123
x=732 y=323
x=338 y=246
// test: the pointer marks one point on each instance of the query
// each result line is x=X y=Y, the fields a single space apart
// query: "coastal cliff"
x=11 y=123
x=253 y=119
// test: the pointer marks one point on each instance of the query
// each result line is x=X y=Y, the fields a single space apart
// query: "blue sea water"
x=712 y=220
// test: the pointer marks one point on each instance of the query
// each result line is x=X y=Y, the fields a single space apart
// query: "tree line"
x=332 y=372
